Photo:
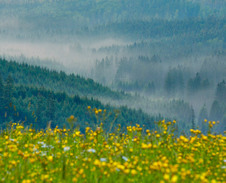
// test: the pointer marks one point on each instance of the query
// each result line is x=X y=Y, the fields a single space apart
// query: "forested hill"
x=197 y=30
x=54 y=12
x=28 y=94
x=24 y=74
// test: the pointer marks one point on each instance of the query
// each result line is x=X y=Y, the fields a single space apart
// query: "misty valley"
x=176 y=74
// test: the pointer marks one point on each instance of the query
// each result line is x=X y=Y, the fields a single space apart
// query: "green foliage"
x=131 y=155
x=221 y=91
x=101 y=11
x=41 y=107
x=183 y=112
x=174 y=82
x=190 y=30
x=57 y=81
x=197 y=84
x=203 y=114
x=1 y=95
x=218 y=108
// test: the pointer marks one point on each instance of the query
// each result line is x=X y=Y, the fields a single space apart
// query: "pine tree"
x=203 y=114
x=192 y=118
x=221 y=91
x=174 y=82
x=8 y=93
x=216 y=112
x=1 y=97
x=50 y=113
x=40 y=108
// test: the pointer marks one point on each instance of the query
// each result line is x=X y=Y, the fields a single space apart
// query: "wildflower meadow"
x=132 y=155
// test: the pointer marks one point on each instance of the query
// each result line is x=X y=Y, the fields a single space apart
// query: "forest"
x=155 y=59
x=32 y=103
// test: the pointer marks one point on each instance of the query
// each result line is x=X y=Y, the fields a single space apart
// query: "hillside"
x=28 y=75
x=88 y=12
x=29 y=101
x=198 y=30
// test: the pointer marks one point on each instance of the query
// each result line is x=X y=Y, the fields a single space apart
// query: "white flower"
x=35 y=150
x=44 y=146
x=223 y=167
x=103 y=159
x=43 y=153
x=41 y=143
x=225 y=160
x=125 y=158
x=67 y=148
x=91 y=150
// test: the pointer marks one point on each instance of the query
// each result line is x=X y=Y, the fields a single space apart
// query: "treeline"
x=102 y=11
x=25 y=74
x=75 y=17
x=172 y=78
x=197 y=29
x=39 y=106
x=192 y=88
x=217 y=110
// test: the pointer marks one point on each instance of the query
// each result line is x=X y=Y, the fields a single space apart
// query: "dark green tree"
x=8 y=94
x=150 y=88
x=221 y=91
x=216 y=112
x=197 y=83
x=50 y=111
x=40 y=108
x=1 y=97
x=203 y=114
x=194 y=84
x=174 y=82
x=192 y=118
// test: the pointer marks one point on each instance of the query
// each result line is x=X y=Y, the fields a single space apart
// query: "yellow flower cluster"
x=135 y=155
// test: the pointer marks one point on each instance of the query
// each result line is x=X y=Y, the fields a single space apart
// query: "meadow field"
x=135 y=154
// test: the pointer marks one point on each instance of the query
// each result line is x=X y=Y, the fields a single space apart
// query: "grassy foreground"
x=64 y=155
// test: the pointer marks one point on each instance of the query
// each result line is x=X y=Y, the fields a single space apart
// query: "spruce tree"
x=221 y=91
x=192 y=118
x=50 y=113
x=8 y=94
x=203 y=114
x=1 y=97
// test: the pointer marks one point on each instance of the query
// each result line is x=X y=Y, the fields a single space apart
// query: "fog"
x=76 y=56
x=168 y=71
x=111 y=62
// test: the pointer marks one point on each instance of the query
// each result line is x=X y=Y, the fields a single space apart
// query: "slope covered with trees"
x=167 y=55
x=72 y=16
x=28 y=75
x=24 y=98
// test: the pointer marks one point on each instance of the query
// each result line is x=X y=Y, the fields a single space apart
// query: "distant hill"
x=196 y=29
x=52 y=13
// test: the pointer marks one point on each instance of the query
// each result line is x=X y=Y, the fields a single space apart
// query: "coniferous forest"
x=37 y=96
x=155 y=59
